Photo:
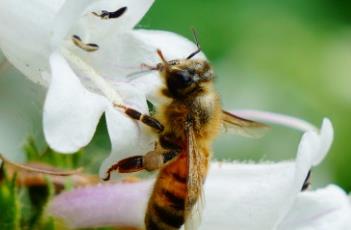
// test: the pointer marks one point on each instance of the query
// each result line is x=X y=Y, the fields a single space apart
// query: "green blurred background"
x=291 y=57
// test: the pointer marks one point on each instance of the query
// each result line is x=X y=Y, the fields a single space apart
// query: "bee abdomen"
x=164 y=217
x=166 y=209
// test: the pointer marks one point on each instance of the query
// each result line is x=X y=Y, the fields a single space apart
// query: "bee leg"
x=151 y=161
x=144 y=118
x=127 y=165
x=155 y=159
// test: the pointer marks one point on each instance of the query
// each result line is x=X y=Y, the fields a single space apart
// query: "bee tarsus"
x=127 y=165
x=151 y=161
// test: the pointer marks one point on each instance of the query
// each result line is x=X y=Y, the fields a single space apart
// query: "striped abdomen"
x=166 y=208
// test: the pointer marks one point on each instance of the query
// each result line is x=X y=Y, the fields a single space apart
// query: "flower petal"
x=45 y=25
x=96 y=29
x=239 y=196
x=121 y=54
x=324 y=209
x=127 y=137
x=20 y=113
x=120 y=204
x=265 y=192
x=65 y=18
x=326 y=138
x=27 y=46
x=76 y=16
x=275 y=118
x=71 y=112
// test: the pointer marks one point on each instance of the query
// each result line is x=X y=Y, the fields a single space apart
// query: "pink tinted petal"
x=121 y=204
x=239 y=196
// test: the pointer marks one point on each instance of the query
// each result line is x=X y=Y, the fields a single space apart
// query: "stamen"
x=99 y=81
x=104 y=14
x=89 y=47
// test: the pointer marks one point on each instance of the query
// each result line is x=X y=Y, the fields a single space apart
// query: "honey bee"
x=187 y=125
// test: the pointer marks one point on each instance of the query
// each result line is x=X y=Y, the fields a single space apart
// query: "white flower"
x=30 y=31
x=20 y=111
x=36 y=35
x=33 y=31
x=238 y=196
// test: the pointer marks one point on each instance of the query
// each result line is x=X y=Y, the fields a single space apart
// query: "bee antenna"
x=163 y=59
x=148 y=67
x=136 y=74
x=145 y=68
x=195 y=34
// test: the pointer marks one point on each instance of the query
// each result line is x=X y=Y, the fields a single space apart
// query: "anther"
x=104 y=14
x=89 y=47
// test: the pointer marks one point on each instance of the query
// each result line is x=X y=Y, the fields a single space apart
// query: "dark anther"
x=104 y=14
x=89 y=47
x=307 y=182
x=76 y=37
x=93 y=45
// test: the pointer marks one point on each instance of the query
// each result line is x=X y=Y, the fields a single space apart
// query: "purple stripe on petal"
x=120 y=204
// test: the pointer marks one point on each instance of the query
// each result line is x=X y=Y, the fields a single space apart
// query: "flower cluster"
x=84 y=85
x=238 y=196
x=83 y=51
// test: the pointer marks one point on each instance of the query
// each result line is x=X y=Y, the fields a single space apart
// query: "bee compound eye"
x=184 y=78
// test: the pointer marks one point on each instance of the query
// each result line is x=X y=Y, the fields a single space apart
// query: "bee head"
x=185 y=77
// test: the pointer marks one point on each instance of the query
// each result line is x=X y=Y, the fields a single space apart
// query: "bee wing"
x=197 y=166
x=237 y=125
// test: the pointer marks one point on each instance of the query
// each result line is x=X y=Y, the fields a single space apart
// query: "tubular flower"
x=83 y=52
x=265 y=195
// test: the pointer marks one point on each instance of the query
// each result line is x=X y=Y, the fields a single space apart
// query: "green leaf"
x=9 y=203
